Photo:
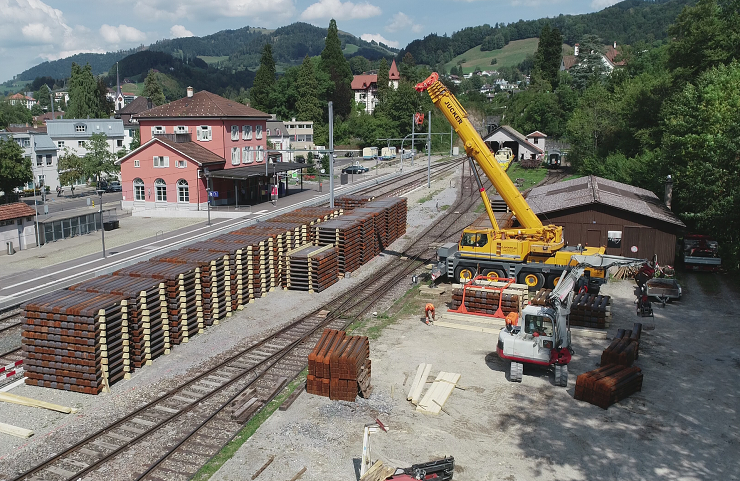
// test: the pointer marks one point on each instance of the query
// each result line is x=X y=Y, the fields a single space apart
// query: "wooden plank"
x=466 y=327
x=300 y=473
x=426 y=401
x=447 y=386
x=417 y=378
x=416 y=395
x=493 y=321
x=259 y=471
x=15 y=431
x=293 y=396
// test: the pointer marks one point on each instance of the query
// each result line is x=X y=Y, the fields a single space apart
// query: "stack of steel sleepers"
x=279 y=238
x=346 y=236
x=74 y=341
x=352 y=201
x=251 y=259
x=311 y=268
x=608 y=384
x=369 y=245
x=181 y=289
x=144 y=310
x=395 y=209
x=309 y=217
x=339 y=366
x=486 y=301
x=624 y=349
x=214 y=269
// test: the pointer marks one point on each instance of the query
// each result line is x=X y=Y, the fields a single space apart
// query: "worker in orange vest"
x=429 y=313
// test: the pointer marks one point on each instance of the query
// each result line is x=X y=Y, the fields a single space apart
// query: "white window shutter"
x=166 y=161
x=153 y=130
x=209 y=133
x=199 y=133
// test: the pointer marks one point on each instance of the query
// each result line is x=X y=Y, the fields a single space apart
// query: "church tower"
x=119 y=96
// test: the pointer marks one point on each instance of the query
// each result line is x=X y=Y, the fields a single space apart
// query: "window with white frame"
x=181 y=164
x=81 y=143
x=260 y=153
x=258 y=132
x=309 y=138
x=235 y=160
x=157 y=130
x=138 y=189
x=181 y=129
x=268 y=132
x=137 y=163
x=160 y=161
x=204 y=133
x=25 y=142
x=80 y=128
x=39 y=160
x=234 y=132
x=183 y=193
x=48 y=159
x=246 y=132
x=300 y=138
x=60 y=144
x=160 y=188
x=247 y=155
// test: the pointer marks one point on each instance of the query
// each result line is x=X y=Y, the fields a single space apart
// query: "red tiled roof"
x=15 y=211
x=191 y=150
x=569 y=61
x=24 y=129
x=362 y=82
x=20 y=96
x=612 y=53
x=138 y=105
x=393 y=72
x=536 y=133
x=202 y=104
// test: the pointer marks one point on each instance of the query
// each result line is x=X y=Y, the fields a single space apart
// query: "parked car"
x=355 y=169
x=114 y=186
x=349 y=154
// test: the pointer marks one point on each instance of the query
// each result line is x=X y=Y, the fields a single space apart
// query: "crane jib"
x=452 y=110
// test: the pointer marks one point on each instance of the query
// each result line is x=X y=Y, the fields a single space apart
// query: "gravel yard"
x=682 y=426
x=54 y=431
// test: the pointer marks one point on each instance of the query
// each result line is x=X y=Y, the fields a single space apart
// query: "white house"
x=537 y=138
x=365 y=87
x=16 y=226
x=507 y=136
x=73 y=133
x=608 y=58
x=25 y=100
x=42 y=151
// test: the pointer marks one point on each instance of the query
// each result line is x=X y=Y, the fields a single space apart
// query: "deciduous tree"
x=15 y=169
x=97 y=161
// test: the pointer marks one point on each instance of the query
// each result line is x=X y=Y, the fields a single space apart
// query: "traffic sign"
x=213 y=193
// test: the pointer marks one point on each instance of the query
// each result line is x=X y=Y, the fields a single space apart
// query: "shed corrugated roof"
x=15 y=210
x=596 y=190
x=202 y=104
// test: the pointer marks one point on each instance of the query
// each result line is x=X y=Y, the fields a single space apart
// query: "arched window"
x=138 y=189
x=183 y=194
x=160 y=188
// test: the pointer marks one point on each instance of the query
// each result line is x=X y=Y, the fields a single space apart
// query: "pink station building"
x=191 y=142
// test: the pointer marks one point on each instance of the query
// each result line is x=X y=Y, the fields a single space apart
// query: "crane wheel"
x=553 y=280
x=533 y=280
x=494 y=273
x=463 y=274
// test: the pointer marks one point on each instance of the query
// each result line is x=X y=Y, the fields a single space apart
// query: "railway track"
x=416 y=179
x=177 y=433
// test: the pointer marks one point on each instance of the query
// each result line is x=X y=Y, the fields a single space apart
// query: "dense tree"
x=590 y=68
x=43 y=95
x=13 y=114
x=548 y=56
x=153 y=89
x=308 y=104
x=264 y=81
x=407 y=69
x=15 y=169
x=493 y=42
x=359 y=64
x=336 y=66
x=105 y=105
x=97 y=161
x=83 y=97
x=383 y=87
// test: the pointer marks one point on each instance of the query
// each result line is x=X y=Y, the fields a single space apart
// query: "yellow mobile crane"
x=534 y=254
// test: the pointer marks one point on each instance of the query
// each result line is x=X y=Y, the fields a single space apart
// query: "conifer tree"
x=383 y=81
x=83 y=97
x=152 y=89
x=264 y=80
x=308 y=104
x=339 y=71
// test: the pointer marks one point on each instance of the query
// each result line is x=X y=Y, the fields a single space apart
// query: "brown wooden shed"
x=595 y=211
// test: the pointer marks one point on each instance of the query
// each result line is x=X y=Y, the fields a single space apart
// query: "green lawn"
x=210 y=60
x=531 y=177
x=349 y=49
x=132 y=88
x=509 y=56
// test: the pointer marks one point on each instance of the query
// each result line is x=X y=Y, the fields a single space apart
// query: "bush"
x=530 y=163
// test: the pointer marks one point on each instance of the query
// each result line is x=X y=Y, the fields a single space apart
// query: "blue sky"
x=32 y=31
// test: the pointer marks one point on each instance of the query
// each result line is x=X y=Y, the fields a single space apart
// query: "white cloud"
x=178 y=31
x=325 y=9
x=602 y=4
x=401 y=21
x=256 y=10
x=369 y=37
x=37 y=32
x=121 y=34
x=30 y=22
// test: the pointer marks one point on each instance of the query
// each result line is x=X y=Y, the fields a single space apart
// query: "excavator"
x=533 y=254
x=543 y=338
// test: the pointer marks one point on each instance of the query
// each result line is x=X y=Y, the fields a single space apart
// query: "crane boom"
x=477 y=149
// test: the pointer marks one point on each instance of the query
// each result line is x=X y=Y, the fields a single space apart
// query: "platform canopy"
x=255 y=170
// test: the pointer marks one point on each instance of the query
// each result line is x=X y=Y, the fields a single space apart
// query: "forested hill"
x=235 y=49
x=627 y=22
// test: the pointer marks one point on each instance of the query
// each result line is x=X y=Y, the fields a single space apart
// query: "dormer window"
x=80 y=128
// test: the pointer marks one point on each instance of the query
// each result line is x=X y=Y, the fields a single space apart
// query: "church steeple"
x=119 y=95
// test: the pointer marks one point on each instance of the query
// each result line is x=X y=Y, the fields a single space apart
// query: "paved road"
x=58 y=204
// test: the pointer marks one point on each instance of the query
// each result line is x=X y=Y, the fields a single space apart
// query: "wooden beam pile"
x=352 y=201
x=214 y=280
x=339 y=366
x=144 y=310
x=181 y=289
x=624 y=349
x=626 y=272
x=436 y=396
x=312 y=268
x=608 y=384
x=486 y=301
x=76 y=341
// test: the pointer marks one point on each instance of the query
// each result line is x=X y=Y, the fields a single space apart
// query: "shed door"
x=593 y=238
x=641 y=237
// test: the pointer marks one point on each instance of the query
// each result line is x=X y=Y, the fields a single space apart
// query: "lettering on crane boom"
x=452 y=110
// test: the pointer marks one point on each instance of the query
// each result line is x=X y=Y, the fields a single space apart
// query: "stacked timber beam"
x=345 y=235
x=480 y=300
x=352 y=201
x=339 y=366
x=181 y=289
x=436 y=396
x=311 y=268
x=144 y=310
x=586 y=310
x=369 y=246
x=616 y=379
x=75 y=341
x=394 y=210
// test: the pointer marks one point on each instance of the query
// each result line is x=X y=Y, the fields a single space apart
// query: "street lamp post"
x=102 y=227
x=208 y=194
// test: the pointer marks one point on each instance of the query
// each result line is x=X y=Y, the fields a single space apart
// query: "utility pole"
x=35 y=207
x=413 y=129
x=429 y=153
x=331 y=155
x=450 y=141
x=102 y=228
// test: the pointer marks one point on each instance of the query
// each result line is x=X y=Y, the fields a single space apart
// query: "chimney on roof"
x=668 y=191
x=576 y=50
x=149 y=104
x=190 y=91
x=615 y=45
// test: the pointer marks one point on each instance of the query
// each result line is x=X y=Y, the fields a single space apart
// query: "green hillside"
x=509 y=56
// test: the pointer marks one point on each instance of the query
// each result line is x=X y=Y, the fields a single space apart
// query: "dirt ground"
x=682 y=426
